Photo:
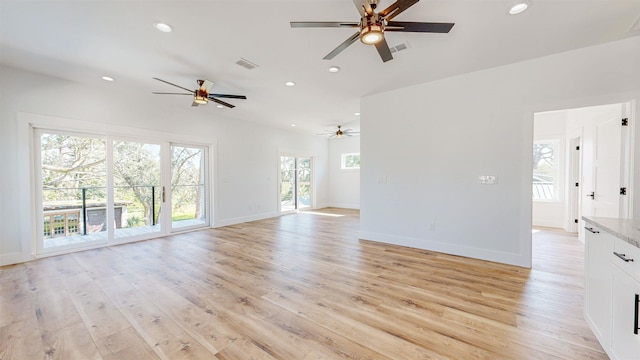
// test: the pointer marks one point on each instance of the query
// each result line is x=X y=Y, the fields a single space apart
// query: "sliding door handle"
x=163 y=198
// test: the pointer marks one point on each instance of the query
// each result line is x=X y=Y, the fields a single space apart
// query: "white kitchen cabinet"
x=612 y=285
x=598 y=283
x=625 y=336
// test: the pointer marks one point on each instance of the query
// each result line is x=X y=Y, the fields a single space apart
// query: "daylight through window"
x=545 y=170
x=351 y=161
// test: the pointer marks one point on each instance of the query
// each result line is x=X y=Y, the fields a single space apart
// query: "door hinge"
x=577 y=184
x=623 y=191
x=625 y=122
x=578 y=147
x=575 y=221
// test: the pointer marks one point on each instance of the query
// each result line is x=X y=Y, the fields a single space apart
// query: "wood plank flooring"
x=300 y=286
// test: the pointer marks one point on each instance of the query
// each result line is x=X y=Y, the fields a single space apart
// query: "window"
x=350 y=161
x=545 y=170
x=96 y=189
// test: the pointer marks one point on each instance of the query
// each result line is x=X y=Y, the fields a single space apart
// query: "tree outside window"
x=545 y=170
x=350 y=161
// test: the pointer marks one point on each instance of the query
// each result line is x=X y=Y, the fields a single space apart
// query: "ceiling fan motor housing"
x=371 y=29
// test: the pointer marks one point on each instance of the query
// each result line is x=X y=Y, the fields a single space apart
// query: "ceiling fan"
x=373 y=24
x=340 y=133
x=201 y=96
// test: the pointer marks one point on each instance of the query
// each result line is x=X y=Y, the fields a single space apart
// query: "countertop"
x=625 y=229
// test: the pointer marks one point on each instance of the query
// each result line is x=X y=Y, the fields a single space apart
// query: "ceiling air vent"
x=246 y=64
x=399 y=47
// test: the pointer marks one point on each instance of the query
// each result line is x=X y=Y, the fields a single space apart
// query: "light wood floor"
x=297 y=287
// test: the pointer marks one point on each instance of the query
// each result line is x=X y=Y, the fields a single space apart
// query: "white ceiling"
x=86 y=39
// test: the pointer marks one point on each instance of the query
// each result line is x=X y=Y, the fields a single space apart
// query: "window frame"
x=558 y=160
x=29 y=124
x=343 y=161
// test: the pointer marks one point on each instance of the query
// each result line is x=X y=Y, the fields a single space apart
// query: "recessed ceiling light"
x=293 y=125
x=334 y=69
x=519 y=7
x=162 y=27
x=219 y=106
x=290 y=83
x=108 y=78
x=356 y=114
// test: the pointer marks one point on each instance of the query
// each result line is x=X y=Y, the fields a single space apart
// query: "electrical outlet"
x=488 y=179
x=432 y=226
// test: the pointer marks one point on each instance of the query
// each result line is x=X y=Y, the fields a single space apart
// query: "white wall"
x=246 y=155
x=344 y=185
x=454 y=130
x=552 y=126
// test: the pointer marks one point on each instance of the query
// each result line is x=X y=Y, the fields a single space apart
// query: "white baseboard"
x=344 y=205
x=244 y=219
x=447 y=248
x=14 y=258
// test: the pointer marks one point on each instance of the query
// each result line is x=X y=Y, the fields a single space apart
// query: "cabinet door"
x=625 y=340
x=598 y=284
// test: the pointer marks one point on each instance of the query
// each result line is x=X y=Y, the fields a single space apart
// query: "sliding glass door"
x=137 y=189
x=295 y=183
x=97 y=189
x=73 y=189
x=188 y=187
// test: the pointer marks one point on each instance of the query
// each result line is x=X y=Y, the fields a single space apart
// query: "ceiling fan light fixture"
x=519 y=7
x=200 y=100
x=371 y=34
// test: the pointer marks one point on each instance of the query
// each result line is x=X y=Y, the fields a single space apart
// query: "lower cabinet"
x=598 y=283
x=612 y=293
x=625 y=336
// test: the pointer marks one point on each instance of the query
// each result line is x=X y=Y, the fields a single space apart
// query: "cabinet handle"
x=590 y=229
x=635 y=325
x=622 y=256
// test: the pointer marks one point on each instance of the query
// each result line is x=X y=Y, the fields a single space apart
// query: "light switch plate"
x=488 y=179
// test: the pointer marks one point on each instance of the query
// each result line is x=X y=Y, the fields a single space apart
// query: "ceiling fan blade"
x=408 y=26
x=222 y=103
x=363 y=6
x=342 y=46
x=383 y=50
x=206 y=85
x=313 y=24
x=396 y=8
x=178 y=86
x=166 y=93
x=228 y=96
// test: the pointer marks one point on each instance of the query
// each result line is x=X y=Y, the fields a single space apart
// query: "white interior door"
x=605 y=201
x=602 y=150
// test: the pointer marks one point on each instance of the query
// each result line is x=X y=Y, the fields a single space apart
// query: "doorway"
x=582 y=161
x=296 y=190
